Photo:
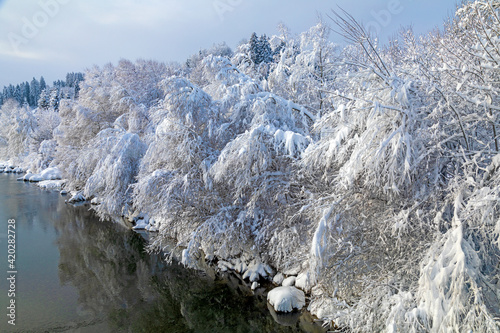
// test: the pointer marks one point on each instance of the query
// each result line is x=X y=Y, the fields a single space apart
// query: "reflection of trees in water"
x=104 y=261
x=137 y=292
x=23 y=202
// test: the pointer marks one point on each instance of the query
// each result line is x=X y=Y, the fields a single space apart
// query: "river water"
x=78 y=274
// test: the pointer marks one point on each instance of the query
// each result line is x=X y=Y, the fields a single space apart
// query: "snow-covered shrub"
x=306 y=69
x=172 y=171
x=115 y=172
x=16 y=131
x=400 y=160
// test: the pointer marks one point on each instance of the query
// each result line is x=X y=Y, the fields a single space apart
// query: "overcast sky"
x=53 y=37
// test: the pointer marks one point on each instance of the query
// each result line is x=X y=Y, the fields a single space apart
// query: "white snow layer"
x=47 y=174
x=305 y=281
x=286 y=298
x=293 y=143
x=278 y=278
x=289 y=281
x=51 y=184
x=256 y=271
x=8 y=167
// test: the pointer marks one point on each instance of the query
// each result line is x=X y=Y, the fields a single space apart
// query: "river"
x=74 y=273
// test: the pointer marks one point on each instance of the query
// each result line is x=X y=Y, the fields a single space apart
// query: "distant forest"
x=38 y=94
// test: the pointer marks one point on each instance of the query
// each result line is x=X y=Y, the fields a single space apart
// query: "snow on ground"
x=286 y=298
x=278 y=278
x=141 y=224
x=305 y=281
x=289 y=281
x=326 y=307
x=145 y=223
x=8 y=167
x=51 y=174
x=47 y=174
x=257 y=270
x=51 y=184
x=294 y=270
x=240 y=266
x=224 y=266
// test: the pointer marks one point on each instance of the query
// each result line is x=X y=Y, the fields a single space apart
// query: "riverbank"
x=235 y=281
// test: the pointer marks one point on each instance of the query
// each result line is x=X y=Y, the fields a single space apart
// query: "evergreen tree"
x=34 y=92
x=43 y=85
x=260 y=49
x=59 y=84
x=18 y=94
x=54 y=98
x=44 y=100
x=11 y=91
x=73 y=81
x=254 y=49
x=26 y=93
x=264 y=49
x=69 y=79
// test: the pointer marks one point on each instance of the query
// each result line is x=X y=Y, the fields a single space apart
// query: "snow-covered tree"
x=44 y=99
x=54 y=99
x=171 y=186
x=119 y=156
x=34 y=92
x=18 y=126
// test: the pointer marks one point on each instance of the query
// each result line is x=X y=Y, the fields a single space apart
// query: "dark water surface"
x=78 y=274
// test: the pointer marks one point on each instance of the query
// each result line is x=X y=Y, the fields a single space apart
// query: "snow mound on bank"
x=144 y=222
x=47 y=174
x=289 y=281
x=7 y=167
x=285 y=299
x=34 y=178
x=256 y=271
x=51 y=174
x=51 y=184
x=18 y=170
x=224 y=266
x=27 y=176
x=278 y=278
x=305 y=281
x=140 y=224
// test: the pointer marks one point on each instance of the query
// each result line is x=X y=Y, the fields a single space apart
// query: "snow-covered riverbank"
x=283 y=299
